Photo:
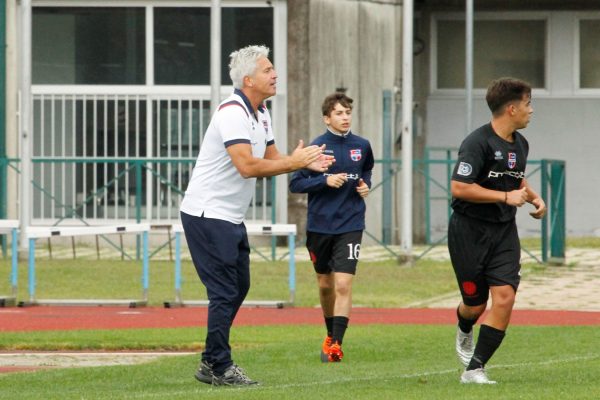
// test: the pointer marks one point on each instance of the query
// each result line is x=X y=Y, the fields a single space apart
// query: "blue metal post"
x=146 y=274
x=178 y=267
x=292 y=266
x=138 y=204
x=14 y=263
x=32 y=270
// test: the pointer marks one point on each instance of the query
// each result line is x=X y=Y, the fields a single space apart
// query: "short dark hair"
x=502 y=91
x=331 y=100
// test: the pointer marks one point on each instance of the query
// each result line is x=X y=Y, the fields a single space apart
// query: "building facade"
x=121 y=96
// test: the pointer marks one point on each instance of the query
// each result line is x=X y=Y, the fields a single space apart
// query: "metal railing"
x=551 y=174
x=121 y=194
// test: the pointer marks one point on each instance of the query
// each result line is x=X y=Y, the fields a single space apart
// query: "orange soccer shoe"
x=335 y=353
x=325 y=349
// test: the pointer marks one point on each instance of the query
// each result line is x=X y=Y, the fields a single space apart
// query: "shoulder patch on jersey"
x=464 y=169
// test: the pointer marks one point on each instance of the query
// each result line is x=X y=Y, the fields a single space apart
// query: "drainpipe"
x=26 y=126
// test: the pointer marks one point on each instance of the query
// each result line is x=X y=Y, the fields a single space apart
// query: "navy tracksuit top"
x=331 y=210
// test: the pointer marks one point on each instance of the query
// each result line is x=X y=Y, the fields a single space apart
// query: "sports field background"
x=382 y=361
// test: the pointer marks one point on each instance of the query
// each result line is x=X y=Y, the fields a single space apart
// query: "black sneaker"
x=233 y=376
x=204 y=373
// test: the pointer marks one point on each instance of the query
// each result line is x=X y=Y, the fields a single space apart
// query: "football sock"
x=340 y=324
x=465 y=325
x=329 y=325
x=489 y=340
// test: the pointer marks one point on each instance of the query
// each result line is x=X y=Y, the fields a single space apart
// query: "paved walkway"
x=570 y=287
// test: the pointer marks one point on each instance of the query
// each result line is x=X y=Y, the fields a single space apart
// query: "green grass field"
x=378 y=284
x=381 y=362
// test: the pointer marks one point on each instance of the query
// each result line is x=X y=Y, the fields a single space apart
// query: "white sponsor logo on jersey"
x=514 y=174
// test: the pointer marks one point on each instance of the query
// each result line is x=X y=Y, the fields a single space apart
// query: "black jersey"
x=488 y=160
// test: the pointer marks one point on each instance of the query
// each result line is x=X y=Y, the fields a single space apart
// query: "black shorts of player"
x=483 y=254
x=334 y=253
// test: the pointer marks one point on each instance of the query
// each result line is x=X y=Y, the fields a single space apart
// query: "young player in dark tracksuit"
x=488 y=184
x=336 y=217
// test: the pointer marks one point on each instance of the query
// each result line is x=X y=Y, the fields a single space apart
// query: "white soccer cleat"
x=477 y=376
x=464 y=346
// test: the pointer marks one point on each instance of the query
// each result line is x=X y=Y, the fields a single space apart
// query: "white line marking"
x=371 y=378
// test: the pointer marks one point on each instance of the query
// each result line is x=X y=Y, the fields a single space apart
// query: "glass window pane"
x=500 y=48
x=182 y=41
x=88 y=45
x=589 y=53
x=242 y=27
x=182 y=46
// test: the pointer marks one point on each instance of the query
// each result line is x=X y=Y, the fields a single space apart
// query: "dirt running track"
x=70 y=318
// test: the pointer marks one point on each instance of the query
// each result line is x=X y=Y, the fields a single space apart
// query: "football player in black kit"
x=488 y=184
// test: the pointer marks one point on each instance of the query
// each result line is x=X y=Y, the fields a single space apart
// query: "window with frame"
x=106 y=45
x=589 y=54
x=91 y=45
x=514 y=48
x=182 y=41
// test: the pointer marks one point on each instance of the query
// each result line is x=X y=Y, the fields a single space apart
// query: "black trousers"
x=221 y=255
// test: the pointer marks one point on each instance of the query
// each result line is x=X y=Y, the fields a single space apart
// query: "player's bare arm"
x=251 y=167
x=477 y=194
x=534 y=199
x=321 y=164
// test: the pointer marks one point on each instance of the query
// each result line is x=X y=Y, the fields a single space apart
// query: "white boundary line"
x=373 y=378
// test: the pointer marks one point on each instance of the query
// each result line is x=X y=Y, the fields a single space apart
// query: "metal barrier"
x=11 y=226
x=120 y=195
x=553 y=191
x=288 y=230
x=69 y=190
x=34 y=232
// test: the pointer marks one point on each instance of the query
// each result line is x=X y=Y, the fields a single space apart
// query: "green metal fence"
x=551 y=175
x=435 y=168
x=554 y=226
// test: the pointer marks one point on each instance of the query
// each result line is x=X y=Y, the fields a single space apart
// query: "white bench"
x=10 y=226
x=36 y=232
x=288 y=230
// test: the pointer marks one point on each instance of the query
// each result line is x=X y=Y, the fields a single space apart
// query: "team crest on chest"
x=266 y=125
x=355 y=154
x=512 y=160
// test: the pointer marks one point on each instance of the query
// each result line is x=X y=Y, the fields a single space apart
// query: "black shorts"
x=483 y=254
x=334 y=253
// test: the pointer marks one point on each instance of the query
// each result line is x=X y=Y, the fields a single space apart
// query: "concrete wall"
x=560 y=129
x=351 y=44
x=564 y=126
